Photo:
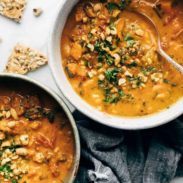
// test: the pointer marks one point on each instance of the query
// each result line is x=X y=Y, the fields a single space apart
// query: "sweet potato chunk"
x=75 y=69
x=119 y=27
x=76 y=51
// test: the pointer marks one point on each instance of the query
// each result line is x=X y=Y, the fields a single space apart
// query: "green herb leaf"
x=111 y=75
x=123 y=4
x=101 y=83
x=113 y=98
x=97 y=46
x=112 y=6
x=169 y=82
x=133 y=64
x=147 y=70
x=5 y=168
x=128 y=37
x=109 y=59
x=121 y=93
x=130 y=40
x=100 y=57
x=14 y=181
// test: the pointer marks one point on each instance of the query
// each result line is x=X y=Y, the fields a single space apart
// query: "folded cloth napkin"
x=118 y=156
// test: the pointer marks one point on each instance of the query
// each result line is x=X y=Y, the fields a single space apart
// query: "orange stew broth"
x=36 y=140
x=109 y=55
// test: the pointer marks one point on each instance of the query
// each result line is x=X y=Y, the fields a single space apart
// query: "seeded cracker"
x=24 y=60
x=12 y=9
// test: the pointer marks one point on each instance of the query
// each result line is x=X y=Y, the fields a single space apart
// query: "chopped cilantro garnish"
x=169 y=82
x=149 y=69
x=97 y=46
x=128 y=37
x=109 y=59
x=113 y=97
x=130 y=43
x=101 y=52
x=133 y=64
x=100 y=57
x=109 y=45
x=121 y=5
x=130 y=40
x=101 y=83
x=121 y=93
x=136 y=79
x=5 y=168
x=14 y=181
x=112 y=6
x=111 y=75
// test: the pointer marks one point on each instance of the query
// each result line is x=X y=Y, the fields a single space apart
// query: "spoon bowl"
x=159 y=47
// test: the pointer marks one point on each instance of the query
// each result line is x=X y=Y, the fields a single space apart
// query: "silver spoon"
x=159 y=48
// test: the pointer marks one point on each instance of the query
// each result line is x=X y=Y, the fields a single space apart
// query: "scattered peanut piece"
x=37 y=12
x=21 y=151
x=24 y=59
x=12 y=9
x=139 y=32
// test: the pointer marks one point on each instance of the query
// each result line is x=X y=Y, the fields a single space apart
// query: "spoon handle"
x=170 y=60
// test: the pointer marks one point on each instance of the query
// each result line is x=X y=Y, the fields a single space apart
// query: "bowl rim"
x=125 y=123
x=66 y=111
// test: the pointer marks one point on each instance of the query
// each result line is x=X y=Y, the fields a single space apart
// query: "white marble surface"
x=33 y=32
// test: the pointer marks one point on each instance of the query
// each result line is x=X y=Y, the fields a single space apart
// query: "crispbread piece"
x=12 y=9
x=24 y=59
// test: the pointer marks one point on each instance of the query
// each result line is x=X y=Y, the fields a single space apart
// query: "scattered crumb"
x=24 y=59
x=12 y=9
x=37 y=12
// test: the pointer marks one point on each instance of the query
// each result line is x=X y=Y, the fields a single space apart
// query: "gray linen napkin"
x=118 y=156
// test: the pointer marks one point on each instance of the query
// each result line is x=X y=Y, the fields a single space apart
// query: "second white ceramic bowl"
x=55 y=62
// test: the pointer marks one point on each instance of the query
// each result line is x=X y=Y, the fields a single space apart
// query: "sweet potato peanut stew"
x=35 y=139
x=110 y=54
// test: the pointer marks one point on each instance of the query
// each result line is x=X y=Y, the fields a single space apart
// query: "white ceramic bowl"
x=55 y=62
